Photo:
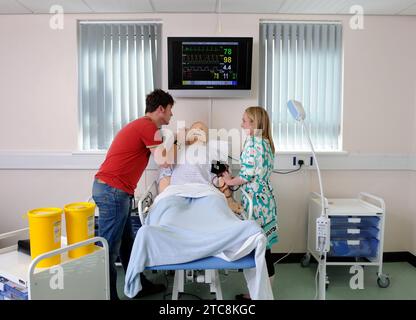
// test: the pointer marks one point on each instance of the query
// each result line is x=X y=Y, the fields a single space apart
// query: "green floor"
x=292 y=282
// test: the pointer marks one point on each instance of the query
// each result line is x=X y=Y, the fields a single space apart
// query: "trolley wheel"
x=383 y=281
x=305 y=261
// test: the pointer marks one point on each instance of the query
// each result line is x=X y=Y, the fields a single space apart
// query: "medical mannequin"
x=197 y=136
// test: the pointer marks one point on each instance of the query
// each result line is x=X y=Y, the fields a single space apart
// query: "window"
x=302 y=61
x=119 y=64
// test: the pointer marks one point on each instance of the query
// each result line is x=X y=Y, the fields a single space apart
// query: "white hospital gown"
x=190 y=168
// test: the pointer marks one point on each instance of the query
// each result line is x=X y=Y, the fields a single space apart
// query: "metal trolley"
x=356 y=235
x=83 y=278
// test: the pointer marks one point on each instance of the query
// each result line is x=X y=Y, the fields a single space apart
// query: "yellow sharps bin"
x=45 y=234
x=79 y=218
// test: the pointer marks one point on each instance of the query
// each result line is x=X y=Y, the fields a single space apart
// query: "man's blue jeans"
x=114 y=225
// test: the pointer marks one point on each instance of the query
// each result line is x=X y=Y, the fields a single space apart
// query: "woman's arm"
x=230 y=181
x=247 y=170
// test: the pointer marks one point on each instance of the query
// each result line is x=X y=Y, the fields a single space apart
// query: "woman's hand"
x=232 y=181
x=227 y=177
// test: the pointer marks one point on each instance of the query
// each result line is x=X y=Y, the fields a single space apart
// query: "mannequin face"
x=197 y=133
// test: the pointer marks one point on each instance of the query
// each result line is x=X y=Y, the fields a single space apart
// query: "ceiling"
x=370 y=7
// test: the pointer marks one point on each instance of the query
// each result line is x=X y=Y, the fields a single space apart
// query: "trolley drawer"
x=355 y=221
x=12 y=291
x=353 y=232
x=354 y=248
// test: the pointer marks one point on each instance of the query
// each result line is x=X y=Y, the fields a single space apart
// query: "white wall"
x=412 y=198
x=379 y=86
x=38 y=100
x=38 y=84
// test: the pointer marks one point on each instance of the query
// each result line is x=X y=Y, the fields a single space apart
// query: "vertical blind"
x=119 y=64
x=302 y=61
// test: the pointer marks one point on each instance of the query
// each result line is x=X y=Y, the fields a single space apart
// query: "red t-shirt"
x=129 y=154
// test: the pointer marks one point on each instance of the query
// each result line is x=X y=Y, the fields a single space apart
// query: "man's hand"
x=165 y=165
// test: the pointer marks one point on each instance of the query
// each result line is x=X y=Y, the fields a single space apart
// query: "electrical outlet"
x=308 y=161
x=297 y=159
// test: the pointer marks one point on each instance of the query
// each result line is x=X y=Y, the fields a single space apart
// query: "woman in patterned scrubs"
x=256 y=161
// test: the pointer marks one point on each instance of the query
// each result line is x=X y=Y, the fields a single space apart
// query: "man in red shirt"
x=117 y=179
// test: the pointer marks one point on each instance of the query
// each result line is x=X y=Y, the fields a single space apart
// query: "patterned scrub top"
x=256 y=162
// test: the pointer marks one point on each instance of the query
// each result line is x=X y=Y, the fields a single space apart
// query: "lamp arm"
x=317 y=168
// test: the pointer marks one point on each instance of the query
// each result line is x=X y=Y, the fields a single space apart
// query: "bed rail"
x=145 y=201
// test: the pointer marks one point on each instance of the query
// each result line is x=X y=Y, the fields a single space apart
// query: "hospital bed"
x=211 y=265
x=83 y=278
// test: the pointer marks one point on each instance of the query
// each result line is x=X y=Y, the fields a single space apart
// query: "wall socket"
x=307 y=161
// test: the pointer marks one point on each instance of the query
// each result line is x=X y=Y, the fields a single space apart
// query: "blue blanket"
x=182 y=229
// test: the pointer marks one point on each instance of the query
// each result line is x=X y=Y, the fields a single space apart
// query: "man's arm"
x=163 y=158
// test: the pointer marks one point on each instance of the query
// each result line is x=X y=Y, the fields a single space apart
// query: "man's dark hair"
x=158 y=98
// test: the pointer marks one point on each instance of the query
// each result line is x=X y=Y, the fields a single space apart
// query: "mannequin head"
x=198 y=133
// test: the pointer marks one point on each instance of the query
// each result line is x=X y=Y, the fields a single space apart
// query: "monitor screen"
x=209 y=63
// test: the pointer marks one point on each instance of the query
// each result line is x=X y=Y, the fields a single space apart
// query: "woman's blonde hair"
x=260 y=120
